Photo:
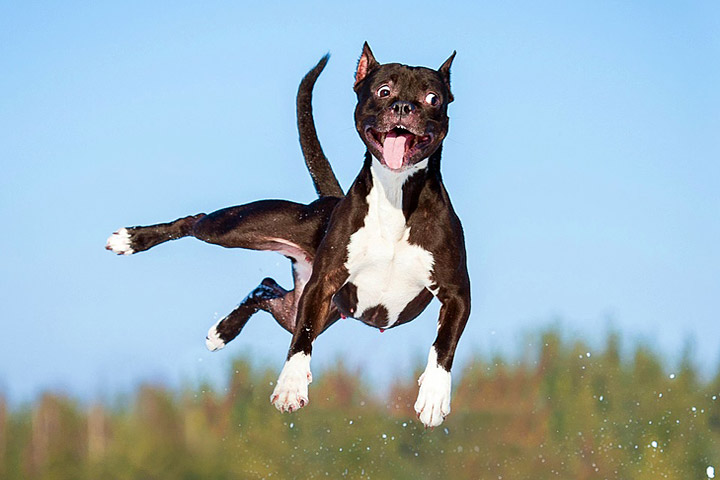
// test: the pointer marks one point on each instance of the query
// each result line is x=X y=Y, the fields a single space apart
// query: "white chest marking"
x=382 y=264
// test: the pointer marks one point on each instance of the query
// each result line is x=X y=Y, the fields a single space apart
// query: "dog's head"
x=401 y=113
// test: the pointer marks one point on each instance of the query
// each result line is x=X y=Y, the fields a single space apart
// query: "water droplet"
x=653 y=444
x=672 y=375
x=710 y=471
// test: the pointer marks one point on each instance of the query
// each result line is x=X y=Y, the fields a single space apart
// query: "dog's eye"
x=383 y=91
x=432 y=99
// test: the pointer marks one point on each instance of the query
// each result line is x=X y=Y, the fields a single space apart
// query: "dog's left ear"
x=444 y=71
x=366 y=64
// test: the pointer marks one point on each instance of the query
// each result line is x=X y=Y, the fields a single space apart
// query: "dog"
x=379 y=253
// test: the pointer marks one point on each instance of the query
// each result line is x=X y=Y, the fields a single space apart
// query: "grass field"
x=564 y=412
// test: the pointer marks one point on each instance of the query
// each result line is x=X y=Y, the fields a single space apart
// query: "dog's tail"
x=326 y=184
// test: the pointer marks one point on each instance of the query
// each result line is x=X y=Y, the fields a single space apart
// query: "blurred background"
x=582 y=158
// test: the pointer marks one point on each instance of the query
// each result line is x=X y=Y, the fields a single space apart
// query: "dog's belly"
x=387 y=276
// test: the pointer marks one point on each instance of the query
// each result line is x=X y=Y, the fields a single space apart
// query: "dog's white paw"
x=213 y=342
x=433 y=402
x=119 y=242
x=291 y=391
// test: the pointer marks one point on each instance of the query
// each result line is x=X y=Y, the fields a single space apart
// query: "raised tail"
x=326 y=184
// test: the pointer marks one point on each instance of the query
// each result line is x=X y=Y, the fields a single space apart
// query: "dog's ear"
x=366 y=64
x=444 y=71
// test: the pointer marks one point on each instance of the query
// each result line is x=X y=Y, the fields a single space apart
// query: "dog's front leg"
x=433 y=402
x=315 y=314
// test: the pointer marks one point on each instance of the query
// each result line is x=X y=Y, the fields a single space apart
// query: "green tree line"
x=563 y=412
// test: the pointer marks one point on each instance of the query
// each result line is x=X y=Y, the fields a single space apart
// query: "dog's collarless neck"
x=389 y=183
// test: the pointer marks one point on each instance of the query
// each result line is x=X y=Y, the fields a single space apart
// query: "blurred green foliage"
x=563 y=412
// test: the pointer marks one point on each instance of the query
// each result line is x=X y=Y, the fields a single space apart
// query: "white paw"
x=433 y=402
x=291 y=391
x=213 y=342
x=119 y=242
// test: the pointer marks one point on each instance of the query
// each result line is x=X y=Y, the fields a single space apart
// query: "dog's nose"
x=402 y=108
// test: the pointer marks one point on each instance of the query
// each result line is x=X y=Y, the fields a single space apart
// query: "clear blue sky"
x=583 y=159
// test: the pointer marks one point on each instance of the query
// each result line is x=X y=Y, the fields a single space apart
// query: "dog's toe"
x=120 y=242
x=433 y=402
x=291 y=391
x=213 y=342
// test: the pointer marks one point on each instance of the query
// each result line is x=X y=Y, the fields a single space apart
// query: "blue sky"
x=582 y=158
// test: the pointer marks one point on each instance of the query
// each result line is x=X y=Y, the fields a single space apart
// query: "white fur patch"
x=433 y=402
x=213 y=341
x=302 y=266
x=119 y=242
x=291 y=391
x=382 y=264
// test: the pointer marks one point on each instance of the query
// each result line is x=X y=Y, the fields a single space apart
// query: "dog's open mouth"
x=397 y=146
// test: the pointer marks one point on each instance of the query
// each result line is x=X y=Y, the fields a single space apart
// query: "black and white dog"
x=380 y=253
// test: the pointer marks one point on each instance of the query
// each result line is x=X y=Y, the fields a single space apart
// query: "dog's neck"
x=390 y=182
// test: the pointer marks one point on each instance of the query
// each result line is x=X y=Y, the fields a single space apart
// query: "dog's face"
x=401 y=113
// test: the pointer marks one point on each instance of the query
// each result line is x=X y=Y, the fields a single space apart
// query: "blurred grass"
x=561 y=413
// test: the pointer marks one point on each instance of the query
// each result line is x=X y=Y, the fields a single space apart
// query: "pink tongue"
x=394 y=149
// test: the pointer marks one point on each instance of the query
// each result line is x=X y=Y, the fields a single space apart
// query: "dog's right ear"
x=366 y=64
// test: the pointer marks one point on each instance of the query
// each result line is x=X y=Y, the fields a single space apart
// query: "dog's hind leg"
x=291 y=229
x=127 y=241
x=269 y=297
x=275 y=225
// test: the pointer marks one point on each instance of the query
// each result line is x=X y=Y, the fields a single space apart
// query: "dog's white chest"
x=386 y=269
